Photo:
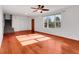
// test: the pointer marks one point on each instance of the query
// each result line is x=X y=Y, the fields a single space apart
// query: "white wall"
x=69 y=27
x=20 y=23
x=1 y=25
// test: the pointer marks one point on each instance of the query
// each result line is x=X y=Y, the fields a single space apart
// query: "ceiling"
x=27 y=11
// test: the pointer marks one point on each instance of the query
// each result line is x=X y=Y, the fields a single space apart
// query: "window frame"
x=57 y=15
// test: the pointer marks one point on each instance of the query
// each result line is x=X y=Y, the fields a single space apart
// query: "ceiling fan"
x=40 y=8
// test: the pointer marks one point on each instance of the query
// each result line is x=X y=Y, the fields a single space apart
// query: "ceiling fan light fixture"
x=39 y=11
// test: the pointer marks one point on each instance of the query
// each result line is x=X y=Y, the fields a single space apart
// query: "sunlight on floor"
x=31 y=38
x=43 y=38
x=28 y=42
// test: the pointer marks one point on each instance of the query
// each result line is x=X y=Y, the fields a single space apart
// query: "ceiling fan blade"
x=33 y=8
x=42 y=6
x=45 y=9
x=39 y=6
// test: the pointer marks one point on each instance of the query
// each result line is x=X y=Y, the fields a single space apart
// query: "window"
x=58 y=23
x=45 y=23
x=52 y=21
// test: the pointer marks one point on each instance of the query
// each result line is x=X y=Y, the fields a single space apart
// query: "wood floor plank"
x=43 y=44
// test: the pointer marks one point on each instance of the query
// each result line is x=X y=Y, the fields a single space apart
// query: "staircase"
x=8 y=27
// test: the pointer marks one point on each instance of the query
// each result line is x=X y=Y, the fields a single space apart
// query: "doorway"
x=33 y=26
x=8 y=24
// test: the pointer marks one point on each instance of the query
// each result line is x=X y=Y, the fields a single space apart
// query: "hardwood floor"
x=26 y=42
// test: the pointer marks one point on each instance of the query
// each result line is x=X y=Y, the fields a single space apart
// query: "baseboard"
x=22 y=31
x=18 y=32
x=57 y=36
